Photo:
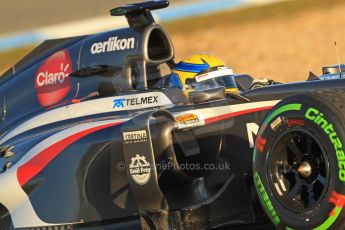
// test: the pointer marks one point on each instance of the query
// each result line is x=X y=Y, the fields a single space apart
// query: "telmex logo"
x=51 y=80
x=122 y=102
x=113 y=44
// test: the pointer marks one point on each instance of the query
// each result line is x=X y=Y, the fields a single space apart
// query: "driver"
x=202 y=71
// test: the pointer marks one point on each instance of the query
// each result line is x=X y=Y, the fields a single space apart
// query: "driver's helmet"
x=202 y=71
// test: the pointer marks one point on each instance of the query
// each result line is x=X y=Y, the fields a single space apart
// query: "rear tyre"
x=299 y=162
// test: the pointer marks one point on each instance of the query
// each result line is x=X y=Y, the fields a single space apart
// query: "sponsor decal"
x=220 y=72
x=265 y=199
x=284 y=108
x=189 y=120
x=140 y=101
x=113 y=44
x=123 y=102
x=138 y=136
x=140 y=169
x=119 y=103
x=51 y=80
x=295 y=122
x=318 y=118
x=339 y=201
x=275 y=123
x=260 y=143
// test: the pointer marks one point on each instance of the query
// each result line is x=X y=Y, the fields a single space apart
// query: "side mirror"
x=201 y=96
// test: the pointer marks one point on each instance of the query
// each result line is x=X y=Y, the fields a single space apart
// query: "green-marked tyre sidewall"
x=319 y=217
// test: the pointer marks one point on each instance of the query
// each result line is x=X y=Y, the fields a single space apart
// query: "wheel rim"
x=299 y=170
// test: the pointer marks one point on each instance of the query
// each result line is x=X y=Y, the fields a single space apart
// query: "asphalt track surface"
x=258 y=226
x=16 y=15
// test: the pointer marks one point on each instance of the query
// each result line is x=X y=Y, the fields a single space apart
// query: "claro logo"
x=113 y=44
x=48 y=78
x=51 y=80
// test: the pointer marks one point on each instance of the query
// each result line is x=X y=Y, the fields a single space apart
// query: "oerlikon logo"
x=51 y=80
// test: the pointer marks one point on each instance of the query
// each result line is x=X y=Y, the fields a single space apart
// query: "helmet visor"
x=218 y=78
x=223 y=81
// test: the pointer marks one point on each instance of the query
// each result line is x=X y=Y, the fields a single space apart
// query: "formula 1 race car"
x=92 y=137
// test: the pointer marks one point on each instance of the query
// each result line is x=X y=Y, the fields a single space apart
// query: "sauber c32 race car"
x=92 y=136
